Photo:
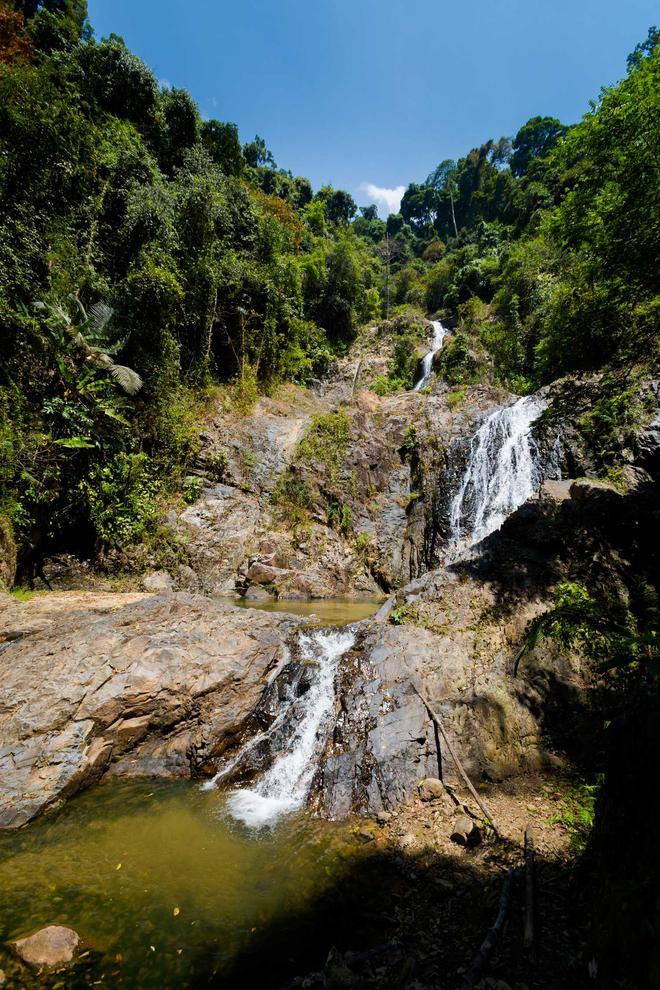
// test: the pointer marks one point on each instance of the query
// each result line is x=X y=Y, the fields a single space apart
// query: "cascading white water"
x=502 y=472
x=284 y=787
x=439 y=334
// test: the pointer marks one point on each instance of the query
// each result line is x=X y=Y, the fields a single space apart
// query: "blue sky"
x=363 y=93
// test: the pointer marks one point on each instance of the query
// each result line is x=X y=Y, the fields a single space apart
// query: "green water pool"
x=165 y=888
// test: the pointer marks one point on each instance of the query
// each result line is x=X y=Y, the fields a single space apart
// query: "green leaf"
x=75 y=443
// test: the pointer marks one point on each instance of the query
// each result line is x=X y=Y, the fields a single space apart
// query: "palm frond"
x=125 y=377
x=99 y=315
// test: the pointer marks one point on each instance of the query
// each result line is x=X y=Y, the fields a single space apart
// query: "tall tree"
x=534 y=140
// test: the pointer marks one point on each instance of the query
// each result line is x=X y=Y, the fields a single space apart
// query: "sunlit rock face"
x=153 y=685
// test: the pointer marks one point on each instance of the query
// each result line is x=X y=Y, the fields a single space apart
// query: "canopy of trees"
x=206 y=260
x=146 y=254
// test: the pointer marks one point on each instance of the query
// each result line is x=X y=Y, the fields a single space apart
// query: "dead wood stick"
x=356 y=376
x=482 y=804
x=528 y=937
x=480 y=961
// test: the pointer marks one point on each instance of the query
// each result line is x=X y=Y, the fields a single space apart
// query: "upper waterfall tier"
x=503 y=470
x=439 y=334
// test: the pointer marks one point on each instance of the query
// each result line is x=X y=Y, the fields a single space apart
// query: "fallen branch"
x=528 y=936
x=480 y=961
x=355 y=377
x=461 y=769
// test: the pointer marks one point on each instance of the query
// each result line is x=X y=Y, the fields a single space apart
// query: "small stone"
x=465 y=832
x=186 y=578
x=259 y=573
x=364 y=834
x=157 y=582
x=336 y=973
x=445 y=885
x=50 y=947
x=431 y=789
x=383 y=817
x=255 y=593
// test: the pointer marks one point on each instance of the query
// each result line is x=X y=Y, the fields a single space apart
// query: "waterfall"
x=439 y=334
x=284 y=787
x=502 y=472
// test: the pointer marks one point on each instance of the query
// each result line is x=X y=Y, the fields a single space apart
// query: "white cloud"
x=165 y=84
x=386 y=199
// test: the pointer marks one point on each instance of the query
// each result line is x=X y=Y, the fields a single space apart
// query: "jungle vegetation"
x=147 y=255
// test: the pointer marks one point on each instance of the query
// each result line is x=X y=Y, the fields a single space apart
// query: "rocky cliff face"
x=124 y=684
x=166 y=684
x=318 y=494
x=459 y=630
x=293 y=518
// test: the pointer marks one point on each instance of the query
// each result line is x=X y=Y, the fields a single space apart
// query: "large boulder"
x=217 y=531
x=49 y=948
x=131 y=684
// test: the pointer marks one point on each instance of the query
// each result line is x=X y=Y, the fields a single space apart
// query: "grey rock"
x=337 y=975
x=186 y=579
x=157 y=582
x=256 y=593
x=431 y=789
x=593 y=489
x=218 y=529
x=465 y=832
x=260 y=573
x=556 y=490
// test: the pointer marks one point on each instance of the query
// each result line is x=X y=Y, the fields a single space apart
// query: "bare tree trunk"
x=206 y=350
x=528 y=938
x=453 y=215
x=387 y=280
x=355 y=377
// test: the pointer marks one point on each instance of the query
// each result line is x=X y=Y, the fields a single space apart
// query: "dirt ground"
x=427 y=902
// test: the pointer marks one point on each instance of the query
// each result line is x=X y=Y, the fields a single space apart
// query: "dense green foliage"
x=206 y=260
x=146 y=254
x=547 y=246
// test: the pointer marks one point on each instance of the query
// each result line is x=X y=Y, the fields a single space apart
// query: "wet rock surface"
x=133 y=684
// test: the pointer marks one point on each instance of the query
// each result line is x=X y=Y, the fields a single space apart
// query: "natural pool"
x=329 y=611
x=169 y=890
x=166 y=889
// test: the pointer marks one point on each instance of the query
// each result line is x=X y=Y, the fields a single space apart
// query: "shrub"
x=121 y=497
x=192 y=489
x=327 y=440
